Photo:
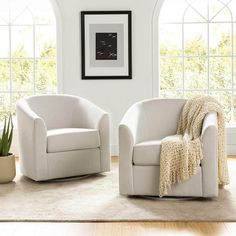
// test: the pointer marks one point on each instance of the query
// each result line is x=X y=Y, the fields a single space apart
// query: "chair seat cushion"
x=68 y=139
x=147 y=153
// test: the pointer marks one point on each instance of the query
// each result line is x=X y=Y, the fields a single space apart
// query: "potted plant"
x=7 y=159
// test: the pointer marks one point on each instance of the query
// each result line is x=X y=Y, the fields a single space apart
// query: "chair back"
x=160 y=117
x=57 y=111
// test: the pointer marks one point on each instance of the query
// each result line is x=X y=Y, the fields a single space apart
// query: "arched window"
x=197 y=45
x=27 y=51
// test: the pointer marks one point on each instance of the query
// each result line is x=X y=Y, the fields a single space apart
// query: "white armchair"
x=140 y=133
x=62 y=136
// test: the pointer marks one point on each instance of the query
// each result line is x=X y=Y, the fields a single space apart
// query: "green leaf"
x=7 y=135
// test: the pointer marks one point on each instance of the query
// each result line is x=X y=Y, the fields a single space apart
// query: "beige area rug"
x=97 y=198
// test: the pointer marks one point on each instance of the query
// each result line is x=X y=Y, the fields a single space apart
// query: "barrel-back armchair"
x=141 y=130
x=62 y=136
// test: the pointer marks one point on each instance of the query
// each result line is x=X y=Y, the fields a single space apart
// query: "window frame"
x=58 y=58
x=156 y=52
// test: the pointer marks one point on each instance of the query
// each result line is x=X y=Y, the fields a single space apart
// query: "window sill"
x=231 y=128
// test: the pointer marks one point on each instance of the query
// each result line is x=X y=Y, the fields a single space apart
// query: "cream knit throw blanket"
x=181 y=153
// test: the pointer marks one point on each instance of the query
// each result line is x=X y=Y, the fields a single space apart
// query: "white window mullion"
x=10 y=56
x=9 y=95
x=30 y=58
x=186 y=56
x=10 y=68
x=193 y=22
x=215 y=39
x=183 y=61
x=208 y=50
x=232 y=72
x=34 y=65
x=202 y=90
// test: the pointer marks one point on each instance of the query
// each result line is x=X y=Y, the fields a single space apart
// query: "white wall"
x=115 y=96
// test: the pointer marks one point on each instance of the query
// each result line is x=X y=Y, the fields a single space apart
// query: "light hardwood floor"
x=120 y=228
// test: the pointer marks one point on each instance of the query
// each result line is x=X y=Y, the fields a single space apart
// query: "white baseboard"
x=114 y=150
x=231 y=140
x=231 y=149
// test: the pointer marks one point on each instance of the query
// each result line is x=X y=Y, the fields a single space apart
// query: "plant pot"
x=7 y=168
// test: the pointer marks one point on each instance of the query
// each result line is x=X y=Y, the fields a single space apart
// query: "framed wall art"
x=106 y=48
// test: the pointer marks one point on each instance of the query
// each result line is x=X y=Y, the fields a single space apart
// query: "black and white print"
x=106 y=46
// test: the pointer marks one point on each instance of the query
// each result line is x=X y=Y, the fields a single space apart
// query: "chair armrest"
x=91 y=115
x=126 y=143
x=128 y=130
x=104 y=130
x=125 y=132
x=131 y=121
x=209 y=163
x=26 y=110
x=32 y=136
x=210 y=122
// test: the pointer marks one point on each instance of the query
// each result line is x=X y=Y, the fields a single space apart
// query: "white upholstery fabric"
x=150 y=176
x=48 y=123
x=79 y=162
x=147 y=153
x=140 y=132
x=76 y=138
x=209 y=163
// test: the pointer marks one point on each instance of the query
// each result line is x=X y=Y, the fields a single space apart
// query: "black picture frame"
x=127 y=64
